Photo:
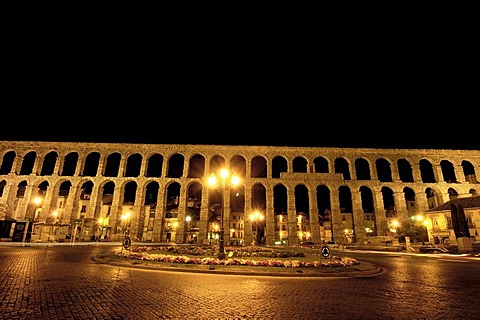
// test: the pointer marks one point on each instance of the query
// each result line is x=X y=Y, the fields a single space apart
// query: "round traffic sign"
x=325 y=251
x=127 y=242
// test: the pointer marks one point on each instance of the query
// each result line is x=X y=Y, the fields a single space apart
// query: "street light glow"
x=126 y=218
x=213 y=182
x=224 y=174
x=254 y=217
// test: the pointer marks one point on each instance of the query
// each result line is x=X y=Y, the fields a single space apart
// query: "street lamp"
x=225 y=184
x=395 y=224
x=36 y=214
x=255 y=217
x=421 y=219
x=54 y=226
x=126 y=217
x=425 y=224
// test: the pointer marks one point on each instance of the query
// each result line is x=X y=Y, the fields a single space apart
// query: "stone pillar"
x=9 y=196
x=437 y=173
x=226 y=193
x=203 y=223
x=269 y=169
x=30 y=194
x=80 y=165
x=270 y=218
x=336 y=216
x=248 y=233
x=138 y=219
x=59 y=163
x=291 y=218
x=248 y=171
x=94 y=204
x=164 y=168
x=353 y=172
x=417 y=176
x=159 y=219
x=17 y=164
x=70 y=205
x=358 y=219
x=186 y=168
x=122 y=167
x=182 y=208
x=395 y=173
x=314 y=221
x=117 y=211
x=143 y=167
x=331 y=166
x=101 y=166
x=421 y=202
x=459 y=173
x=380 y=215
x=37 y=165
x=400 y=205
x=49 y=203
x=373 y=173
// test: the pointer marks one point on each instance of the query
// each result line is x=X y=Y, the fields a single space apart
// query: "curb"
x=367 y=270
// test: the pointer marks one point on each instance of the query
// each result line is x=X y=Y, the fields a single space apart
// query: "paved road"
x=66 y=283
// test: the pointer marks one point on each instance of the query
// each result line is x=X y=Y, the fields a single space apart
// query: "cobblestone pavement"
x=63 y=282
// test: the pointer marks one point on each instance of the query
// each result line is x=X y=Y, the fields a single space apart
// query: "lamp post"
x=187 y=227
x=225 y=184
x=126 y=218
x=37 y=201
x=36 y=214
x=424 y=222
x=54 y=225
x=394 y=225
x=103 y=223
x=255 y=217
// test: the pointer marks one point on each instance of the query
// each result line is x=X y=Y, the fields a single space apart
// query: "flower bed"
x=236 y=257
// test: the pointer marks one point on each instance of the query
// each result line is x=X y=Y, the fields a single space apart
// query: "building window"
x=449 y=223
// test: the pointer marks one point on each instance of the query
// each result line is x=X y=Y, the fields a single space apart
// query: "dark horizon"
x=360 y=86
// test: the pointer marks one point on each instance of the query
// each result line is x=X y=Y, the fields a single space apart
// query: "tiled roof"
x=468 y=202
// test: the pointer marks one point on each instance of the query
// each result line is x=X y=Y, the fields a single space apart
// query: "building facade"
x=454 y=219
x=56 y=191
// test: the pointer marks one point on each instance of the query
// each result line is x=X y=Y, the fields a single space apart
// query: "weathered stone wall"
x=307 y=177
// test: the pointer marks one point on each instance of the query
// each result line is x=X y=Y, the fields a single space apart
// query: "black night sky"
x=404 y=84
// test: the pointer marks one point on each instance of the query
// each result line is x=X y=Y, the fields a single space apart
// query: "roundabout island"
x=250 y=260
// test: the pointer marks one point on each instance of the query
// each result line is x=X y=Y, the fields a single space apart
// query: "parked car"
x=307 y=244
x=433 y=249
x=332 y=244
